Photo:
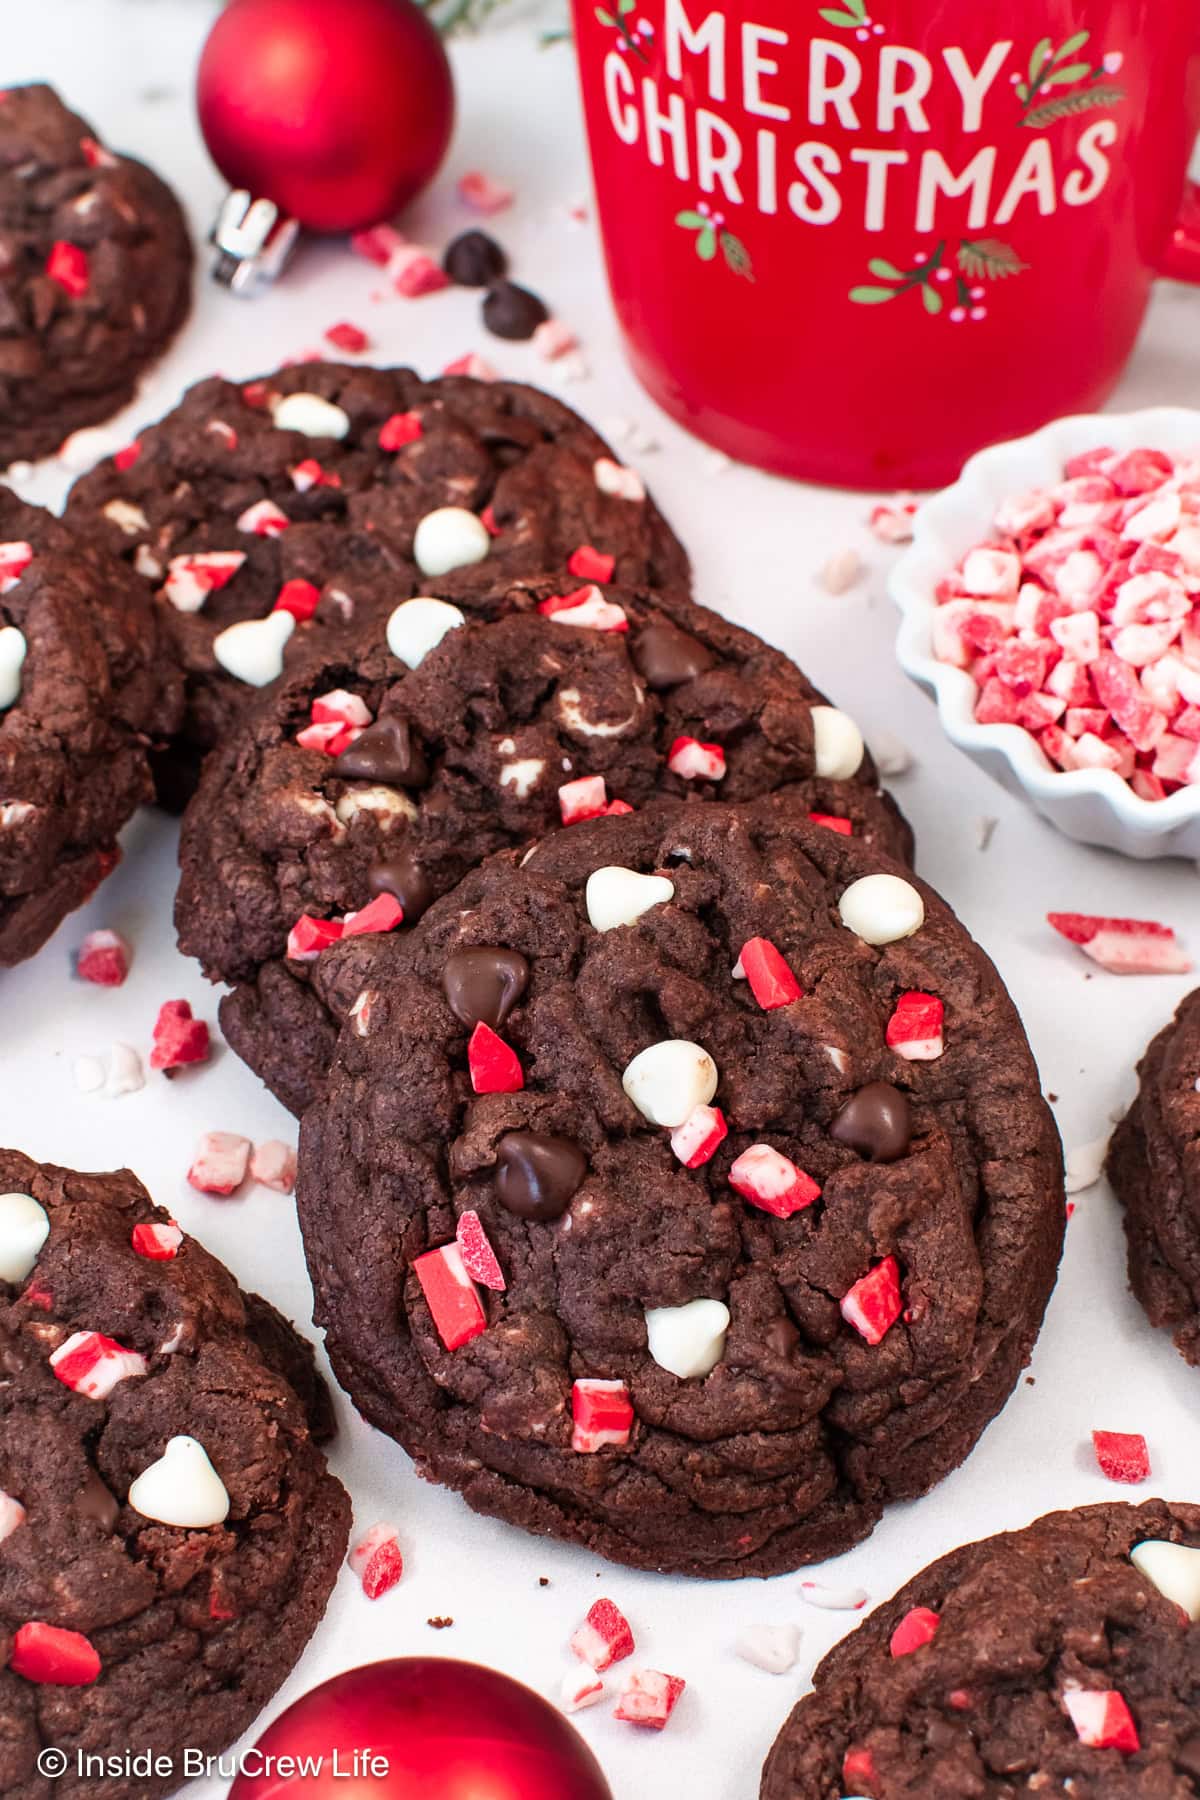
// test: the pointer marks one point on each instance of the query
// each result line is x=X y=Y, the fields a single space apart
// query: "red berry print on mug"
x=1050 y=68
x=712 y=235
x=853 y=16
x=633 y=34
x=957 y=290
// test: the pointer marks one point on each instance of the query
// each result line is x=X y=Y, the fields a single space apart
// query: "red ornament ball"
x=337 y=110
x=421 y=1728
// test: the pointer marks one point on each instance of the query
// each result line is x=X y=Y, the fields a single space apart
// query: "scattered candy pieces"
x=771 y=980
x=478 y=1257
x=273 y=1165
x=892 y=520
x=350 y=338
x=157 y=1242
x=377 y=1560
x=842 y=570
x=483 y=194
x=602 y=1414
x=696 y=761
x=104 y=958
x=770 y=1647
x=91 y=1364
x=299 y=598
x=586 y=798
x=451 y=1296
x=648 y=1698
x=400 y=429
x=1122 y=1455
x=494 y=1065
x=604 y=1637
x=553 y=339
x=914 y=1030
x=179 y=1039
x=191 y=579
x=1102 y=1720
x=1124 y=946
x=220 y=1163
x=773 y=1183
x=874 y=1304
x=309 y=936
x=67 y=264
x=1085 y=1165
x=580 y=1688
x=915 y=1629
x=587 y=610
x=472 y=365
x=616 y=480
x=696 y=1140
x=833 y=1599
x=51 y=1656
x=413 y=271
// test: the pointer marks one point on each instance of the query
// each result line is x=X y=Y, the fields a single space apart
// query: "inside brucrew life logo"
x=192 y=1764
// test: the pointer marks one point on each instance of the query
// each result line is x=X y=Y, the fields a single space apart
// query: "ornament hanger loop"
x=254 y=242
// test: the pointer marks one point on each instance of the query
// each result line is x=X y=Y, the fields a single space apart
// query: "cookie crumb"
x=440 y=1621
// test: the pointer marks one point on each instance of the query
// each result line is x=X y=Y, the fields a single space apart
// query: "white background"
x=757 y=545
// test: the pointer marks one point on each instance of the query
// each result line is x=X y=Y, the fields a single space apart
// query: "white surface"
x=1093 y=805
x=757 y=545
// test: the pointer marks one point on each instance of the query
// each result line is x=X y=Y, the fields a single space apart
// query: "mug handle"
x=1182 y=258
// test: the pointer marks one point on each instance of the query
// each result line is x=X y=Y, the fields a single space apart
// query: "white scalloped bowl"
x=1094 y=806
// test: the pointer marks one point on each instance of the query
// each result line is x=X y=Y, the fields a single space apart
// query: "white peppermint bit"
x=449 y=538
x=617 y=896
x=882 y=909
x=687 y=1340
x=24 y=1228
x=12 y=659
x=252 y=650
x=840 y=573
x=89 y=1074
x=1085 y=1165
x=833 y=1599
x=182 y=1488
x=1174 y=1569
x=312 y=416
x=837 y=743
x=668 y=1080
x=770 y=1647
x=892 y=755
x=126 y=517
x=125 y=1072
x=418 y=626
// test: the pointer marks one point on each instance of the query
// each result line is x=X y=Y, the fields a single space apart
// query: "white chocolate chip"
x=837 y=743
x=449 y=538
x=687 y=1340
x=385 y=803
x=418 y=626
x=182 y=1488
x=1174 y=1569
x=24 y=1228
x=311 y=416
x=617 y=896
x=12 y=658
x=770 y=1647
x=126 y=517
x=252 y=650
x=668 y=1080
x=522 y=775
x=882 y=909
x=615 y=479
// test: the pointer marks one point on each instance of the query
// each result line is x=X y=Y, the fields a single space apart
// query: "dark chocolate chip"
x=386 y=751
x=877 y=1122
x=781 y=1337
x=474 y=259
x=95 y=1503
x=664 y=656
x=403 y=877
x=510 y=311
x=484 y=984
x=536 y=1175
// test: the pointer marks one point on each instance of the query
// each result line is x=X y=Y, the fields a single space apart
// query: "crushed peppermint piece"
x=553 y=339
x=1102 y=1720
x=451 y=1296
x=841 y=571
x=601 y=1413
x=471 y=364
x=273 y=1165
x=49 y=1654
x=916 y=1628
x=179 y=1038
x=1122 y=1455
x=350 y=338
x=892 y=520
x=93 y=1365
x=478 y=1257
x=580 y=1687
x=220 y=1163
x=697 y=1139
x=648 y=1698
x=693 y=760
x=1124 y=946
x=67 y=264
x=915 y=1029
x=833 y=1599
x=157 y=1242
x=772 y=1182
x=483 y=194
x=773 y=1648
x=1085 y=1165
x=377 y=1560
x=103 y=958
x=614 y=479
x=874 y=1304
x=604 y=1638
x=495 y=1067
x=413 y=271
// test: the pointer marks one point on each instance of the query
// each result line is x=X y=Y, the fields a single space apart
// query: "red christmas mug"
x=855 y=241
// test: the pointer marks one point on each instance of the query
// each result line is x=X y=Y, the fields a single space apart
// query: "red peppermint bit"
x=309 y=936
x=91 y=1364
x=179 y=1039
x=771 y=980
x=220 y=1607
x=308 y=474
x=53 y=1657
x=494 y=1065
x=617 y=806
x=649 y=1698
x=696 y=1140
x=1102 y=1720
x=588 y=564
x=482 y=194
x=696 y=761
x=601 y=1413
x=104 y=958
x=772 y=1182
x=586 y=798
x=125 y=459
x=14 y=560
x=1122 y=1455
x=858 y=1769
x=377 y=1560
x=487 y=519
x=263 y=519
x=341 y=707
x=300 y=598
x=604 y=1637
x=222 y=1159
x=478 y=1257
x=36 y=1294
x=587 y=609
x=402 y=428
x=914 y=1030
x=330 y=737
x=156 y=1242
x=1124 y=946
x=378 y=243
x=874 y=1304
x=383 y=913
x=472 y=365
x=413 y=272
x=351 y=338
x=450 y=1295
x=257 y=395
x=916 y=1628
x=67 y=264
x=95 y=155
x=831 y=822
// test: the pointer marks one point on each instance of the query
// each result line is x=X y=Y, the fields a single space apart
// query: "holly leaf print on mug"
x=632 y=34
x=852 y=16
x=1050 y=68
x=988 y=258
x=712 y=235
x=977 y=259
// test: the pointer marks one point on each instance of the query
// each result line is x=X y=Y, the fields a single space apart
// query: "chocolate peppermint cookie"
x=386 y=764
x=269 y=513
x=682 y=1188
x=86 y=689
x=1063 y=1659
x=95 y=273
x=170 y=1531
x=1154 y=1165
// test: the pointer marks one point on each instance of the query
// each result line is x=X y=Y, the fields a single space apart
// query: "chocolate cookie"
x=1063 y=1659
x=1154 y=1165
x=359 y=779
x=95 y=273
x=683 y=1189
x=170 y=1531
x=324 y=494
x=86 y=688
